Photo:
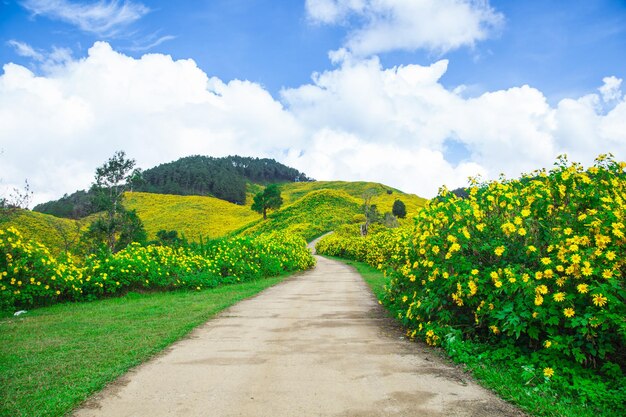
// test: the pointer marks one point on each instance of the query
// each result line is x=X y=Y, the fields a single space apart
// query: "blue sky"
x=561 y=47
x=564 y=50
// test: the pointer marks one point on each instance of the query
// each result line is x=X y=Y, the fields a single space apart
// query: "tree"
x=372 y=215
x=399 y=209
x=268 y=199
x=118 y=227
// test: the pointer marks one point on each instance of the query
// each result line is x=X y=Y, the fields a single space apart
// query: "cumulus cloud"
x=358 y=121
x=436 y=25
x=103 y=17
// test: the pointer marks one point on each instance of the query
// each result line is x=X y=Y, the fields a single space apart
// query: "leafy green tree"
x=118 y=227
x=399 y=209
x=268 y=199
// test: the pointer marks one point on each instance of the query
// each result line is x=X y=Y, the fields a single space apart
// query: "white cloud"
x=359 y=121
x=102 y=17
x=611 y=89
x=25 y=50
x=436 y=25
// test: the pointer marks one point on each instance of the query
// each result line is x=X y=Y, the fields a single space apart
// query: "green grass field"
x=52 y=359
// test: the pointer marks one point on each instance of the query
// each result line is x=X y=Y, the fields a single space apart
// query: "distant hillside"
x=383 y=196
x=224 y=178
x=312 y=215
x=310 y=209
x=193 y=216
x=55 y=233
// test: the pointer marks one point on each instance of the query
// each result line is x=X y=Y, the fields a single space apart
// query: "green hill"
x=194 y=216
x=56 y=233
x=310 y=209
x=310 y=216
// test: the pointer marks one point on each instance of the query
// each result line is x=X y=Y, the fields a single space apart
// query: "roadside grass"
x=502 y=371
x=53 y=358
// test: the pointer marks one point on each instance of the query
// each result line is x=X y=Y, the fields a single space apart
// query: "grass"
x=384 y=196
x=52 y=359
x=503 y=375
x=310 y=216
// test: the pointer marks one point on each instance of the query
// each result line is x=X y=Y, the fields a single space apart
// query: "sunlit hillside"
x=194 y=216
x=383 y=196
x=315 y=213
x=58 y=234
x=309 y=208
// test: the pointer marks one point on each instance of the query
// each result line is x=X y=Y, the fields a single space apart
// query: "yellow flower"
x=498 y=284
x=474 y=271
x=610 y=255
x=547 y=343
x=548 y=372
x=538 y=300
x=575 y=258
x=558 y=297
x=521 y=231
x=494 y=329
x=546 y=261
x=525 y=212
x=531 y=248
x=404 y=299
x=607 y=273
x=499 y=250
x=599 y=300
x=541 y=289
x=582 y=288
x=569 y=312
x=587 y=270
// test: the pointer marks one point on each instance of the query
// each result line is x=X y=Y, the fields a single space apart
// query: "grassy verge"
x=52 y=359
x=504 y=370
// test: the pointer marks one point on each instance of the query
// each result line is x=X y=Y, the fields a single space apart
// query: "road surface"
x=315 y=345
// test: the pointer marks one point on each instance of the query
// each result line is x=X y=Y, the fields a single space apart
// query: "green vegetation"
x=116 y=227
x=268 y=199
x=382 y=196
x=399 y=209
x=30 y=276
x=53 y=358
x=56 y=233
x=225 y=178
x=318 y=212
x=525 y=274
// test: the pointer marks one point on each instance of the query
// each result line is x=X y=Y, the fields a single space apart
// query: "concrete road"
x=315 y=345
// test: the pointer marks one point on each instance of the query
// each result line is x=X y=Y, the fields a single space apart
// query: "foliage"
x=399 y=209
x=225 y=178
x=117 y=227
x=31 y=276
x=268 y=199
x=535 y=264
x=315 y=214
x=74 y=206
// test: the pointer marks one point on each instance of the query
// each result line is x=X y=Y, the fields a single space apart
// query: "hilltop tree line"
x=224 y=178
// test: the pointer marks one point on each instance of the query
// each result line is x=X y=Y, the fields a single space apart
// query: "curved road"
x=316 y=345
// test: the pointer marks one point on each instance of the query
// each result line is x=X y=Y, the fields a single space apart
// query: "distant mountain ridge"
x=225 y=178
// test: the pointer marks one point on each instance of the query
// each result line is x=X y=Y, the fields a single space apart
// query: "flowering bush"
x=537 y=262
x=31 y=276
